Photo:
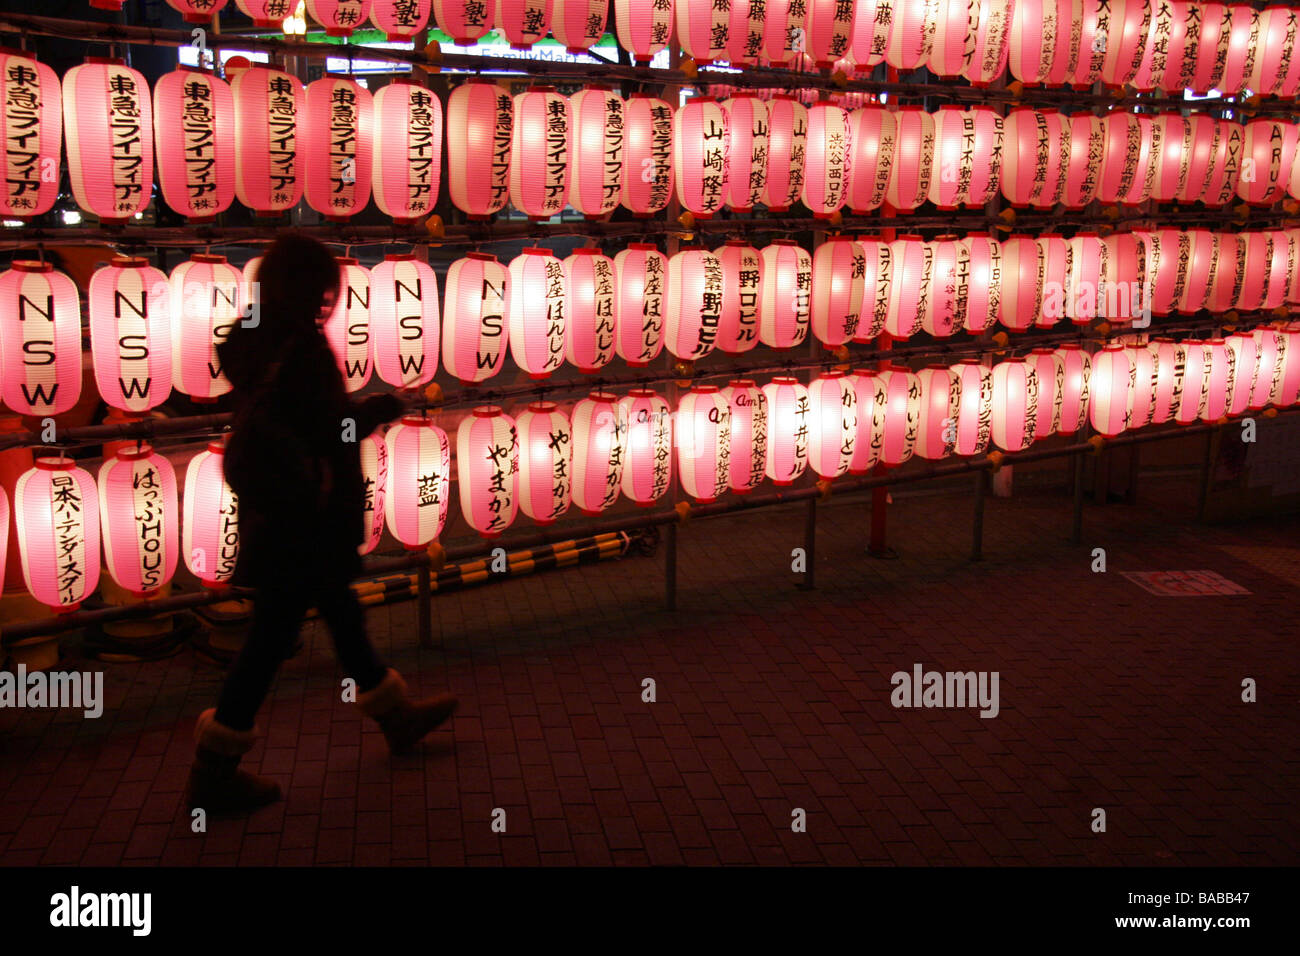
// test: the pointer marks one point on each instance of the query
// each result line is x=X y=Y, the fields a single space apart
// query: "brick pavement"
x=769 y=698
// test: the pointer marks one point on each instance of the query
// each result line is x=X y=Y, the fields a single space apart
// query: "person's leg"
x=340 y=609
x=277 y=614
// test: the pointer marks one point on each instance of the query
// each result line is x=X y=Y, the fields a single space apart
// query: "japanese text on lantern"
x=149 y=519
x=124 y=113
x=69 y=529
x=420 y=148
x=22 y=134
x=199 y=129
x=282 y=123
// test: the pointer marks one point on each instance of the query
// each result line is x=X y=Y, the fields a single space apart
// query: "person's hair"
x=295 y=275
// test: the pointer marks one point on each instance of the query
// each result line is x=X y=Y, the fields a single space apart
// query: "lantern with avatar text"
x=1073 y=401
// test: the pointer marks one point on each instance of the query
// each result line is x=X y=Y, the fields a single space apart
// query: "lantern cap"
x=939 y=368
x=704 y=389
x=217 y=447
x=487 y=411
x=419 y=421
x=537 y=251
x=784 y=380
x=126 y=262
x=347 y=260
x=638 y=393
x=106 y=61
x=134 y=454
x=54 y=463
x=481 y=256
x=28 y=265
x=1042 y=350
x=208 y=258
x=741 y=383
x=643 y=246
x=542 y=407
x=832 y=373
x=784 y=242
x=586 y=251
x=540 y=88
x=907 y=237
x=599 y=396
x=736 y=243
x=400 y=257
x=635 y=96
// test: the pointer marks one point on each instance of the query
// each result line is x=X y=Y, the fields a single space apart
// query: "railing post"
x=977 y=530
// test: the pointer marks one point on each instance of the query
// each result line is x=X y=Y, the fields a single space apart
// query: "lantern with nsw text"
x=747 y=155
x=747 y=457
x=643 y=27
x=480 y=130
x=465 y=21
x=337 y=130
x=474 y=331
x=194 y=120
x=1014 y=405
x=596 y=177
x=406 y=163
x=108 y=125
x=1245 y=369
x=826 y=162
x=910 y=172
x=838 y=289
x=401 y=20
x=139 y=519
x=31 y=111
x=786 y=294
x=545 y=461
x=640 y=283
x=269 y=170
x=694 y=305
x=988 y=43
x=1110 y=390
x=787 y=429
x=206 y=305
x=1268 y=153
x=374 y=485
x=973 y=408
x=589 y=284
x=647 y=463
x=419 y=481
x=535 y=312
x=539 y=153
x=1049 y=370
x=348 y=328
x=936 y=412
x=872 y=132
x=787 y=145
x=895 y=413
x=599 y=450
x=131 y=334
x=487 y=469
x=832 y=423
x=57 y=526
x=1076 y=368
x=40 y=339
x=210 y=519
x=404 y=320
x=647 y=154
x=984 y=285
x=704 y=444
x=339 y=17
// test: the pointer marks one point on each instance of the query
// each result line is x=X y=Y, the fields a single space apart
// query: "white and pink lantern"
x=912 y=268
x=40 y=339
x=949 y=37
x=465 y=21
x=828 y=31
x=57 y=526
x=596 y=174
x=644 y=27
x=647 y=464
x=206 y=305
x=348 y=328
x=704 y=443
x=1225 y=168
x=194 y=121
x=1073 y=401
x=401 y=20
x=1022 y=291
x=984 y=285
x=374 y=486
x=474 y=331
x=1127 y=23
x=480 y=133
x=31 y=111
x=487 y=469
x=1243 y=48
x=785 y=300
x=826 y=162
x=937 y=412
x=1282 y=264
x=871 y=23
x=1014 y=405
x=877 y=293
x=1127 y=292
x=896 y=411
x=545 y=462
x=742 y=290
x=1167 y=47
x=578 y=24
x=647 y=154
x=419 y=481
x=869 y=395
x=787 y=429
x=599 y=451
x=782 y=31
x=1110 y=390
x=590 y=286
x=745 y=32
x=1201 y=257
x=1142 y=360
x=1050 y=373
x=406 y=156
x=1171 y=163
x=1257 y=260
x=1144 y=176
x=340 y=18
x=1268 y=155
x=911 y=34
x=129 y=303
x=209 y=519
x=1168 y=255
x=1055 y=261
x=945 y=311
x=912 y=168
x=1036 y=55
x=1032 y=156
x=747 y=456
x=641 y=277
x=138 y=519
x=108 y=125
x=197 y=11
x=967 y=168
x=1084 y=165
x=269 y=119
x=337 y=132
x=747 y=156
x=832 y=423
x=1090 y=273
x=872 y=133
x=404 y=320
x=1245 y=366
x=539 y=153
x=701 y=145
x=838 y=290
x=1124 y=134
x=973 y=409
x=1170 y=358
x=1288 y=392
x=787 y=145
x=988 y=43
x=702 y=29
x=265 y=14
x=1228 y=271
x=1275 y=59
x=536 y=312
x=694 y=305
x=1270 y=357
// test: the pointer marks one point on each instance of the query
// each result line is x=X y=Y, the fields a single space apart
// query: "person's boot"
x=405 y=722
x=217 y=785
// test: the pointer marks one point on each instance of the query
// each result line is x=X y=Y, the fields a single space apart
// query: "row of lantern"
x=1170 y=45
x=150 y=333
x=728 y=439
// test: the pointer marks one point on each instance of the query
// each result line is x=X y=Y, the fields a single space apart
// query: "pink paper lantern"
x=196 y=169
x=1049 y=370
x=785 y=302
x=264 y=13
x=596 y=177
x=988 y=44
x=912 y=267
x=1036 y=55
x=1171 y=162
x=1144 y=175
x=465 y=21
x=1126 y=138
x=647 y=155
x=1054 y=262
x=702 y=30
x=694 y=307
x=1225 y=170
x=1268 y=154
x=1028 y=146
x=967 y=168
x=129 y=303
x=197 y=11
x=648 y=445
x=539 y=153
x=1282 y=260
x=787 y=429
x=1170 y=359
x=1086 y=160
x=31 y=110
x=838 y=290
x=826 y=166
x=1202 y=254
x=58 y=532
x=480 y=133
x=1142 y=359
x=950 y=30
x=911 y=170
x=872 y=135
x=701 y=144
x=535 y=312
x=406 y=164
x=578 y=24
x=972 y=410
x=1288 y=391
x=871 y=23
x=1245 y=365
x=1288 y=68
x=269 y=112
x=108 y=124
x=1167 y=48
x=210 y=519
x=404 y=320
x=945 y=312
x=401 y=20
x=474 y=331
x=339 y=17
x=1206 y=379
x=787 y=145
x=747 y=456
x=1227 y=271
x=589 y=284
x=40 y=339
x=487 y=469
x=1169 y=254
x=1204 y=133
x=1110 y=390
x=1256 y=261
x=643 y=27
x=704 y=443
x=337 y=135
x=1271 y=366
x=896 y=410
x=599 y=452
x=828 y=31
x=139 y=517
x=1243 y=48
x=832 y=423
x=206 y=304
x=911 y=34
x=1022 y=293
x=1014 y=405
x=742 y=291
x=747 y=157
x=1089 y=276
x=545 y=462
x=783 y=18
x=419 y=481
x=984 y=285
x=937 y=412
x=1126 y=291
x=869 y=395
x=1124 y=24
x=877 y=294
x=374 y=486
x=1073 y=403
x=745 y=32
x=640 y=280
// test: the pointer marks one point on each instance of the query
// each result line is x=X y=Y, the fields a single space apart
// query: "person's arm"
x=370 y=413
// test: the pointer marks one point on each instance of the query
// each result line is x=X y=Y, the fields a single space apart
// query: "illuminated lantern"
x=1110 y=390
x=269 y=173
x=31 y=111
x=1125 y=293
x=1059 y=136
x=949 y=32
x=266 y=14
x=1228 y=271
x=1054 y=264
x=465 y=21
x=1140 y=189
x=487 y=466
x=209 y=519
x=909 y=287
x=1049 y=371
x=1243 y=48
x=1204 y=136
x=910 y=172
x=1124 y=144
x=1281 y=263
x=1194 y=404
x=967 y=168
x=1168 y=254
x=838 y=287
x=704 y=443
x=783 y=23
x=535 y=312
x=745 y=32
x=700 y=148
x=197 y=11
x=1014 y=405
x=1225 y=170
x=474 y=332
x=339 y=17
x=374 y=483
x=896 y=409
x=401 y=20
x=1245 y=366
x=787 y=429
x=1288 y=391
x=832 y=423
x=784 y=303
x=702 y=30
x=945 y=311
x=406 y=167
x=545 y=462
x=1036 y=55
x=419 y=481
x=648 y=445
x=539 y=153
x=1280 y=62
x=58 y=532
x=694 y=306
x=1257 y=256
x=1022 y=293
x=984 y=283
x=1028 y=145
x=1142 y=360
x=1089 y=26
x=787 y=145
x=1271 y=363
x=131 y=334
x=1127 y=24
x=1268 y=152
x=828 y=31
x=1085 y=165
x=826 y=166
x=108 y=123
x=972 y=407
x=742 y=290
x=599 y=450
x=138 y=517
x=877 y=291
x=647 y=154
x=988 y=43
x=404 y=320
x=910 y=35
x=1199 y=273
x=1167 y=48
x=596 y=179
x=337 y=131
x=1220 y=375
x=206 y=304
x=937 y=412
x=643 y=27
x=872 y=132
x=1089 y=276
x=747 y=155
x=578 y=24
x=196 y=169
x=1169 y=358
x=640 y=273
x=589 y=284
x=1073 y=401
x=1171 y=163
x=871 y=22
x=747 y=456
x=40 y=339
x=480 y=131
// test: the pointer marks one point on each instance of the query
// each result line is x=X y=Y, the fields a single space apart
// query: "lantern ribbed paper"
x=984 y=287
x=1110 y=390
x=747 y=155
x=474 y=331
x=643 y=26
x=896 y=412
x=139 y=519
x=210 y=522
x=701 y=144
x=988 y=43
x=599 y=450
x=536 y=312
x=374 y=484
x=838 y=289
x=269 y=108
x=131 y=334
x=264 y=13
x=1049 y=370
x=545 y=462
x=194 y=122
x=872 y=135
x=832 y=423
x=647 y=465
x=58 y=532
x=911 y=34
x=337 y=132
x=348 y=328
x=747 y=456
x=406 y=165
x=647 y=154
x=589 y=284
x=936 y=412
x=539 y=153
x=108 y=126
x=487 y=469
x=401 y=20
x=206 y=304
x=339 y=17
x=464 y=20
x=869 y=395
x=973 y=409
x=787 y=145
x=1073 y=402
x=40 y=339
x=641 y=277
x=1014 y=405
x=945 y=312
x=419 y=481
x=694 y=305
x=31 y=111
x=786 y=294
x=787 y=429
x=911 y=170
x=596 y=174
x=480 y=130
x=826 y=162
x=404 y=320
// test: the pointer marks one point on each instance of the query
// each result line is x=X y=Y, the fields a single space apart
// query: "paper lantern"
x=643 y=27
x=337 y=134
x=1124 y=24
x=269 y=107
x=1014 y=405
x=1220 y=375
x=936 y=412
x=782 y=31
x=949 y=32
x=647 y=154
x=487 y=469
x=949 y=286
x=787 y=145
x=1055 y=261
x=1170 y=358
x=539 y=153
x=704 y=443
x=694 y=306
x=648 y=445
x=745 y=32
x=40 y=339
x=1282 y=257
x=1227 y=271
x=877 y=291
x=702 y=29
x=1124 y=140
x=197 y=11
x=785 y=300
x=911 y=34
x=57 y=527
x=138 y=518
x=1203 y=132
x=406 y=163
x=872 y=134
x=578 y=24
x=401 y=20
x=912 y=267
x=910 y=172
x=1036 y=54
x=826 y=166
x=1245 y=366
x=545 y=462
x=339 y=17
x=1089 y=276
x=896 y=410
x=206 y=305
x=828 y=31
x=1243 y=48
x=1171 y=163
x=599 y=451
x=640 y=277
x=596 y=178
x=1167 y=48
x=374 y=486
x=1268 y=153
x=747 y=456
x=419 y=481
x=832 y=423
x=1225 y=170
x=1199 y=273
x=31 y=113
x=1143 y=177
x=1142 y=360
x=742 y=291
x=984 y=281
x=210 y=519
x=129 y=303
x=988 y=43
x=967 y=167
x=1073 y=403
x=474 y=332
x=1271 y=365
x=1288 y=391
x=787 y=429
x=196 y=169
x=266 y=14
x=871 y=22
x=838 y=290
x=1126 y=292
x=1089 y=40
x=1028 y=147
x=589 y=284
x=1086 y=160
x=1110 y=390
x=1168 y=255
x=465 y=21
x=404 y=320
x=971 y=407
x=108 y=122
x=1288 y=64
x=1196 y=394
x=536 y=312
x=1049 y=371
x=700 y=148
x=1256 y=262
x=480 y=133
x=747 y=155
x=1022 y=293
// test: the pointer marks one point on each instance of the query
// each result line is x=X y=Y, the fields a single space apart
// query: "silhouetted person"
x=293 y=461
